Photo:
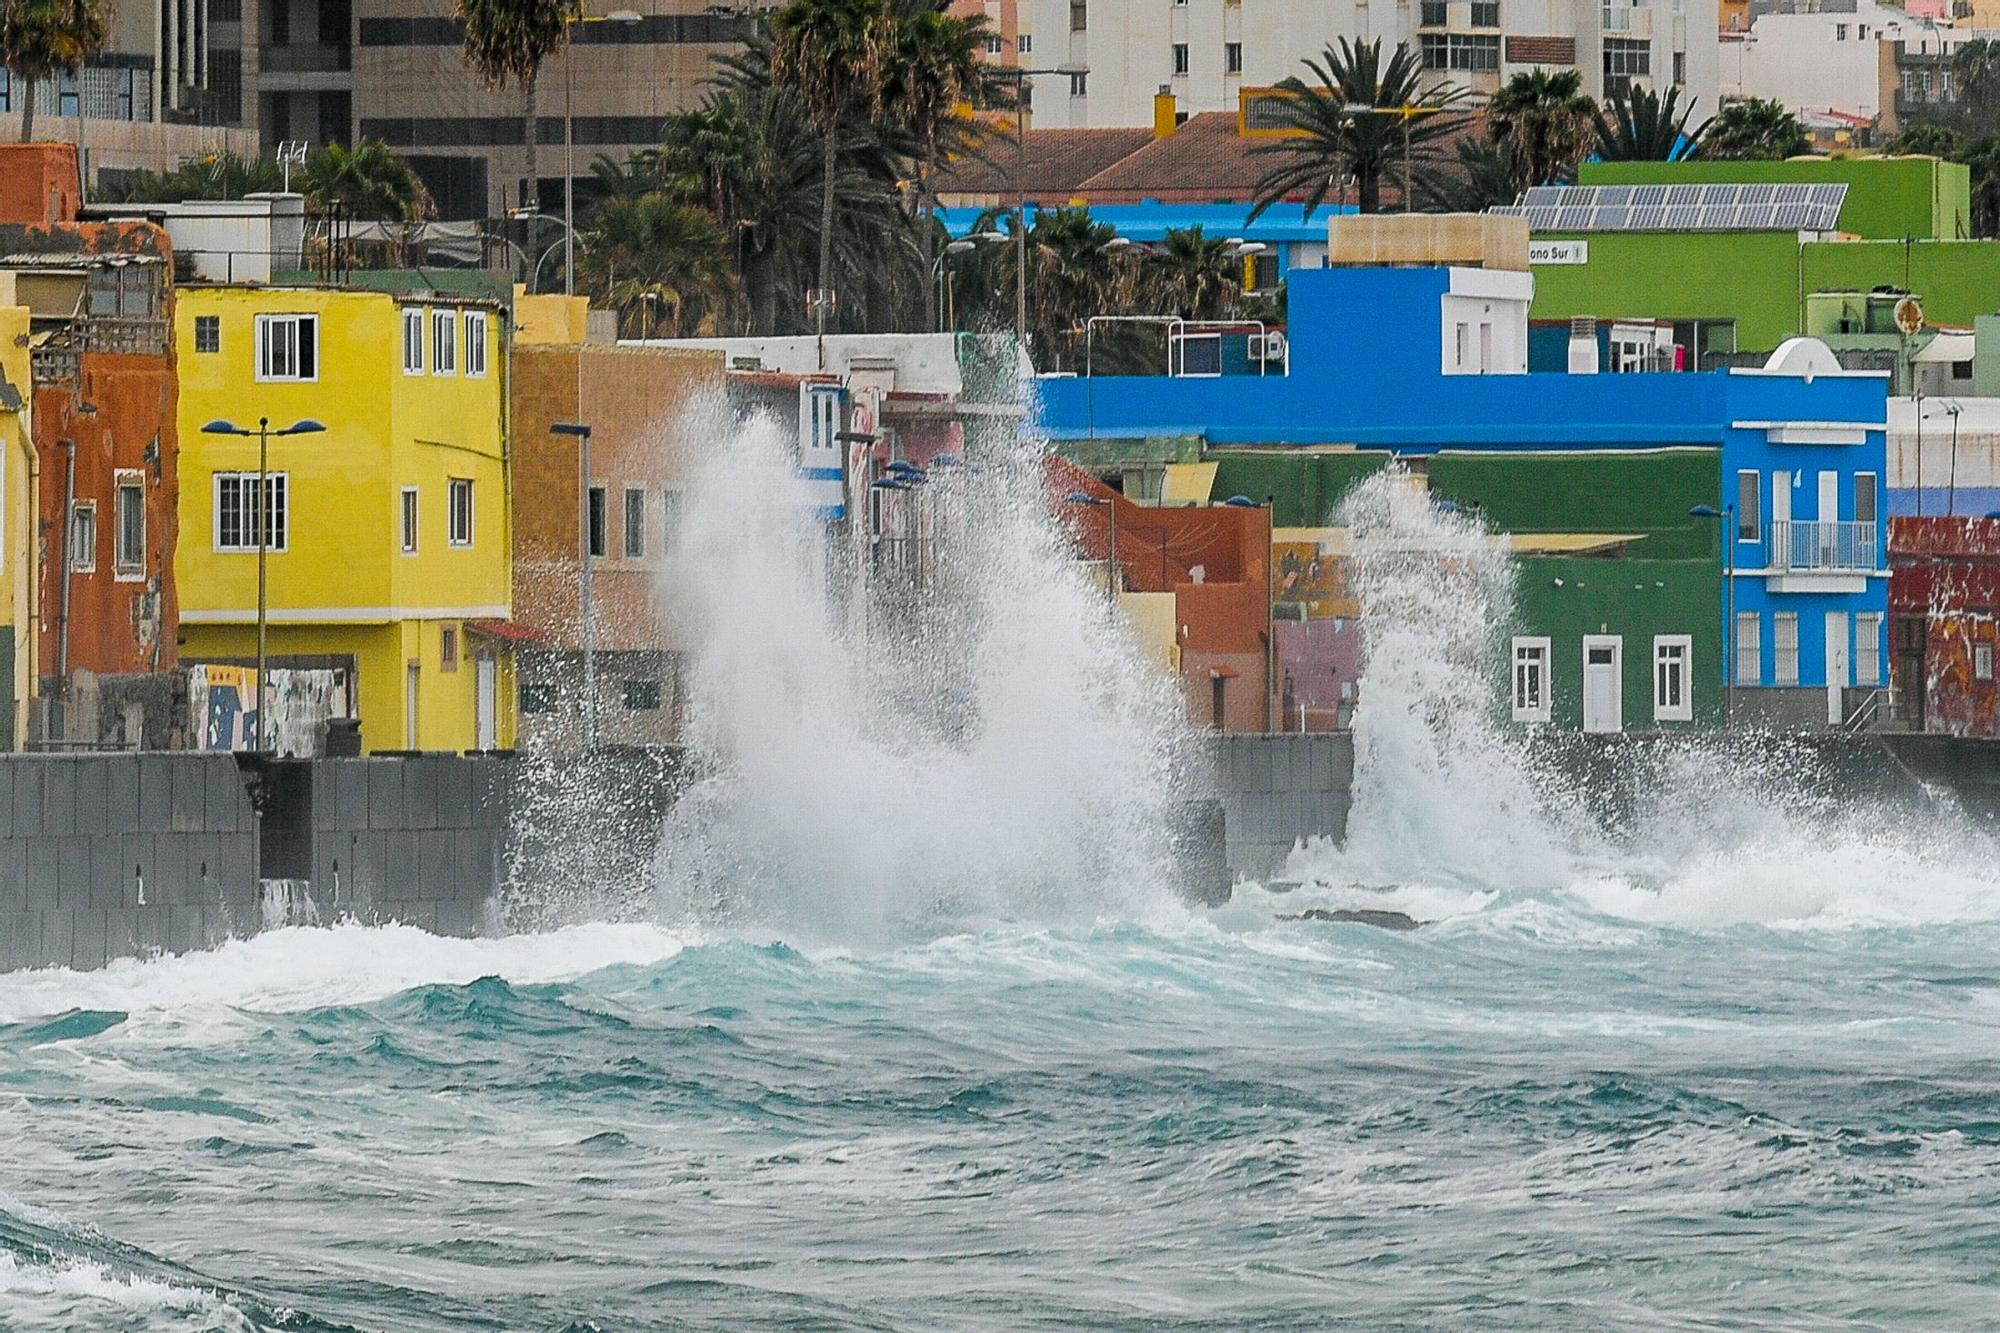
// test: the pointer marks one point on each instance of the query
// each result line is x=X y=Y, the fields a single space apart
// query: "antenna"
x=291 y=153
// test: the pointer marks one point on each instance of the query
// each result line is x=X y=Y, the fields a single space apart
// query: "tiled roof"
x=1057 y=163
x=1205 y=159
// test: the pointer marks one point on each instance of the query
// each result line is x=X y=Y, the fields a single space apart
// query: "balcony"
x=1813 y=547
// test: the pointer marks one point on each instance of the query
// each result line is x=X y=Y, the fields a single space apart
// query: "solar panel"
x=1734 y=207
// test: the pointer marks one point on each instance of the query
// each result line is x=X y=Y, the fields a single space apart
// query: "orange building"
x=643 y=406
x=1215 y=561
x=99 y=296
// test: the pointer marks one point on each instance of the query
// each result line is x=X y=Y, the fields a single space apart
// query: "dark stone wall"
x=1278 y=789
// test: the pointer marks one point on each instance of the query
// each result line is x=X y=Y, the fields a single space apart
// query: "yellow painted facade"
x=551 y=318
x=19 y=549
x=398 y=418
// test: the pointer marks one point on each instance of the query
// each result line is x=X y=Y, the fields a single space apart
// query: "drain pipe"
x=68 y=578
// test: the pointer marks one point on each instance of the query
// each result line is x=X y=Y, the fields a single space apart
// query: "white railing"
x=1797 y=544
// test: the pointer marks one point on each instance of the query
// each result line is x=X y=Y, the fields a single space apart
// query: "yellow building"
x=390 y=546
x=19 y=548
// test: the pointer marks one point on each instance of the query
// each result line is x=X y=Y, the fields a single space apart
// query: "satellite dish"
x=1909 y=316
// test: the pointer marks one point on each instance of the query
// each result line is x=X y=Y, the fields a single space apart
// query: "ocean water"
x=907 y=1029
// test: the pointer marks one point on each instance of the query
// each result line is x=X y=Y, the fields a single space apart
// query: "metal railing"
x=1814 y=545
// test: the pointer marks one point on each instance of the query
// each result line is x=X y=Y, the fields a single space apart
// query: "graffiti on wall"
x=222 y=701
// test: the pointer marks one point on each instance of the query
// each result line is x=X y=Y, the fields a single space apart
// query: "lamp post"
x=1728 y=516
x=262 y=511
x=1951 y=486
x=1405 y=113
x=569 y=142
x=1019 y=78
x=1113 y=575
x=941 y=274
x=586 y=609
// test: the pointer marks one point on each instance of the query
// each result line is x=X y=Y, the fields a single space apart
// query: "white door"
x=1839 y=672
x=410 y=683
x=489 y=704
x=1603 y=673
x=1781 y=520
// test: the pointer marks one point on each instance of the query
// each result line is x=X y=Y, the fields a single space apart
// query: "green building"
x=1745 y=287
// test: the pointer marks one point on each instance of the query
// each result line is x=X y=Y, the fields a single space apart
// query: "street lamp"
x=1728 y=516
x=1113 y=575
x=1951 y=491
x=625 y=16
x=1019 y=77
x=581 y=434
x=941 y=276
x=263 y=432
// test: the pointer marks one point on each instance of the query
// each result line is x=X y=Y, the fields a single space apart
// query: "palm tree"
x=1194 y=276
x=1983 y=158
x=1541 y=123
x=1328 y=141
x=513 y=39
x=216 y=176
x=1755 y=130
x=828 y=51
x=1975 y=68
x=1933 y=140
x=43 y=38
x=1644 y=127
x=1478 y=177
x=371 y=181
x=656 y=259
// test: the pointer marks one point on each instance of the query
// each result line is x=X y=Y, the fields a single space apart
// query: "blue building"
x=1413 y=360
x=1291 y=239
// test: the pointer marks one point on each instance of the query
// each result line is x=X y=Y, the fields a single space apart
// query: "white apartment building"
x=1830 y=60
x=1206 y=52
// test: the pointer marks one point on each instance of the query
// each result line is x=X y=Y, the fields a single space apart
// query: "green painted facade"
x=1888 y=198
x=1646 y=493
x=1760 y=279
x=1302 y=486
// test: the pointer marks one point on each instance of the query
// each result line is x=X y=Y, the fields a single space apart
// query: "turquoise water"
x=1762 y=1095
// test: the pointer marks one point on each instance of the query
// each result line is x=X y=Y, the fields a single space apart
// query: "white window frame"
x=278 y=485
x=1677 y=651
x=460 y=486
x=413 y=340
x=635 y=507
x=1749 y=517
x=444 y=341
x=1982 y=661
x=305 y=332
x=1536 y=649
x=1784 y=657
x=126 y=480
x=475 y=344
x=1868 y=648
x=410 y=516
x=1749 y=636
x=82 y=555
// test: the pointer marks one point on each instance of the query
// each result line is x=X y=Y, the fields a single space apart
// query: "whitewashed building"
x=1829 y=61
x=1117 y=55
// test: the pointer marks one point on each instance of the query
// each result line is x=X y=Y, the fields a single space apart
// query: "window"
x=598 y=502
x=994 y=46
x=1198 y=354
x=1840 y=32
x=1681 y=68
x=287 y=347
x=1079 y=15
x=670 y=520
x=1433 y=14
x=448 y=648
x=1868 y=648
x=1864 y=498
x=635 y=523
x=1180 y=58
x=413 y=342
x=1232 y=57
x=1673 y=692
x=444 y=342
x=1079 y=85
x=235 y=511
x=475 y=344
x=1982 y=661
x=1785 y=645
x=1024 y=43
x=537 y=698
x=1749 y=507
x=1862 y=32
x=1749 y=648
x=1461 y=51
x=642 y=696
x=1531 y=680
x=409 y=520
x=207 y=333
x=1625 y=57
x=83 y=537
x=129 y=500
x=1961 y=370
x=1485 y=13
x=461 y=512
x=6 y=90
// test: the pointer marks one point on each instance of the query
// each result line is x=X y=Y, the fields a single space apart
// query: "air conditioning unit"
x=1267 y=346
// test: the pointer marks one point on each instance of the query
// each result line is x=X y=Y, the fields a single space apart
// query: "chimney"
x=1166 y=115
x=1583 y=345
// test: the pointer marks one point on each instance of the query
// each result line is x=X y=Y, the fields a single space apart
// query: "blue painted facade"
x=1368 y=368
x=1148 y=222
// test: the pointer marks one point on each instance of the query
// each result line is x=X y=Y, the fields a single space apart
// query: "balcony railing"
x=1822 y=546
